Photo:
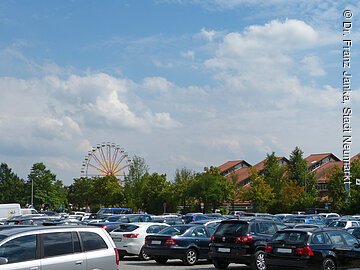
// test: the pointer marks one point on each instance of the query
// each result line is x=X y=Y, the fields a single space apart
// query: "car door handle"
x=78 y=262
x=34 y=268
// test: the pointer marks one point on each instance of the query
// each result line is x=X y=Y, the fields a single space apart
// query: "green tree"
x=134 y=182
x=182 y=182
x=81 y=192
x=336 y=188
x=210 y=188
x=353 y=205
x=289 y=197
x=12 y=188
x=299 y=172
x=234 y=189
x=155 y=192
x=260 y=193
x=47 y=189
x=273 y=173
x=107 y=191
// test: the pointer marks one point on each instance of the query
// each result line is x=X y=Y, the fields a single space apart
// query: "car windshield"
x=289 y=236
x=239 y=228
x=174 y=230
x=126 y=228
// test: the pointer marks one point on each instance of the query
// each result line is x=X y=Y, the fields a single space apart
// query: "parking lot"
x=133 y=263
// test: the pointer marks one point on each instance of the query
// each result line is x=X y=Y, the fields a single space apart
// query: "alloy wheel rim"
x=191 y=257
x=260 y=262
x=144 y=255
x=329 y=265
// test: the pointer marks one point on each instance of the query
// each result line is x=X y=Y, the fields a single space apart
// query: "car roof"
x=22 y=229
x=144 y=224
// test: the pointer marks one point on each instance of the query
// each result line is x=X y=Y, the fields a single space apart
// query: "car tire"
x=328 y=264
x=143 y=256
x=160 y=260
x=259 y=261
x=219 y=264
x=191 y=257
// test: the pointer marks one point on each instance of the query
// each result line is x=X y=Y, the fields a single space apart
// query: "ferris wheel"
x=106 y=159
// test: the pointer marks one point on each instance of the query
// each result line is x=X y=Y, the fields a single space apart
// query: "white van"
x=9 y=210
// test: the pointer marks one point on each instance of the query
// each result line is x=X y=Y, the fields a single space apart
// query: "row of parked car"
x=260 y=241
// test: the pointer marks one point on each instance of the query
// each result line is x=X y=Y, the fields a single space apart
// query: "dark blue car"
x=186 y=242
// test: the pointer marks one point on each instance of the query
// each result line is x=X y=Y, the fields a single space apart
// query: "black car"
x=241 y=241
x=310 y=249
x=186 y=242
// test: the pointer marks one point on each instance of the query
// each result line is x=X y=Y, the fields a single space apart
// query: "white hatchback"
x=130 y=238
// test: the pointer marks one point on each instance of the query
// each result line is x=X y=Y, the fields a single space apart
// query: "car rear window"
x=290 y=237
x=92 y=241
x=238 y=228
x=126 y=228
x=174 y=230
x=338 y=224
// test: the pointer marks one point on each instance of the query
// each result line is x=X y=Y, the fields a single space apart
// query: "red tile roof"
x=321 y=174
x=244 y=173
x=356 y=157
x=313 y=158
x=227 y=165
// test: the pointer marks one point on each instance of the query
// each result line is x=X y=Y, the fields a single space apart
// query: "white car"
x=130 y=238
x=57 y=247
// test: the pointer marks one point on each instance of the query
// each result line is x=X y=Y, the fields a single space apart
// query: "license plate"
x=284 y=250
x=155 y=242
x=224 y=249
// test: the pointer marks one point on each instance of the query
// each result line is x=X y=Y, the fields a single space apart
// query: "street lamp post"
x=32 y=193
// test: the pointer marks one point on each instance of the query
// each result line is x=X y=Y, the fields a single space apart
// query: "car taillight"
x=244 y=239
x=212 y=238
x=268 y=248
x=170 y=242
x=117 y=259
x=131 y=235
x=104 y=227
x=304 y=251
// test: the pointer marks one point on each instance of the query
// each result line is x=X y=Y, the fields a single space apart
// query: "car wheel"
x=220 y=264
x=191 y=257
x=160 y=260
x=143 y=256
x=259 y=261
x=328 y=264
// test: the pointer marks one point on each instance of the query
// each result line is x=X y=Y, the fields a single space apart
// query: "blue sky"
x=181 y=83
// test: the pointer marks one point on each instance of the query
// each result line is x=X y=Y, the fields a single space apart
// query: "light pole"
x=32 y=193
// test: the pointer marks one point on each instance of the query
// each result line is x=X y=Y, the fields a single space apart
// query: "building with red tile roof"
x=320 y=164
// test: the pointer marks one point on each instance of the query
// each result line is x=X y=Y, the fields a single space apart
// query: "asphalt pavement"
x=133 y=263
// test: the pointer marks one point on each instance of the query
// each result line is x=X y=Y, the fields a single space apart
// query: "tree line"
x=276 y=188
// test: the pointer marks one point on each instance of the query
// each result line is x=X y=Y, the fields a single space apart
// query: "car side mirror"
x=3 y=260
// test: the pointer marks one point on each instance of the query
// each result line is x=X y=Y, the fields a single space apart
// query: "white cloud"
x=157 y=84
x=313 y=65
x=208 y=34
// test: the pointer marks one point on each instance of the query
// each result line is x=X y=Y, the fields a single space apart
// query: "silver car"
x=57 y=248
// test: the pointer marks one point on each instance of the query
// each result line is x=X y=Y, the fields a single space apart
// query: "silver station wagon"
x=57 y=248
